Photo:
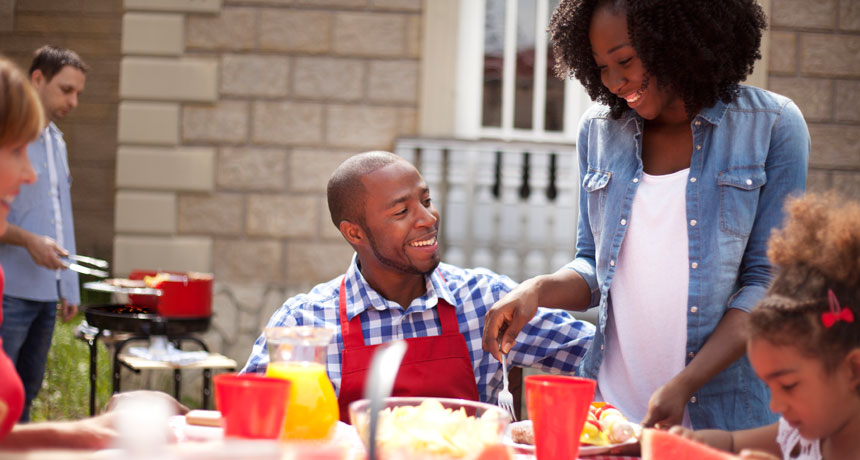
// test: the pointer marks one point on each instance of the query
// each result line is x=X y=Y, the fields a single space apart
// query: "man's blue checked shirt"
x=552 y=341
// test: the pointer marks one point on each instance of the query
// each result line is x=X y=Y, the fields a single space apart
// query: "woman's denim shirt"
x=748 y=156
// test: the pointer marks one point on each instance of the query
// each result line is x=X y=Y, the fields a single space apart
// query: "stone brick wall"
x=233 y=116
x=815 y=60
x=92 y=28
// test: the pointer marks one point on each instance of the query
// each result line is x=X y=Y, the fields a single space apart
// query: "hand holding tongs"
x=87 y=270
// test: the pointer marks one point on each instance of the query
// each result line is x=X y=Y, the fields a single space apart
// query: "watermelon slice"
x=662 y=445
x=496 y=452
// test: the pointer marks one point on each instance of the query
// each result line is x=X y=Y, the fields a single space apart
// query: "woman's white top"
x=646 y=332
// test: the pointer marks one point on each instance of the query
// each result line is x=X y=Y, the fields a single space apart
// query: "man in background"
x=41 y=230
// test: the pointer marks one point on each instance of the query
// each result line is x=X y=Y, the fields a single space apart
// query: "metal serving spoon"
x=380 y=382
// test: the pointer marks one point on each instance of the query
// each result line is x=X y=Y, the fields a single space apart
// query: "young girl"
x=805 y=338
x=684 y=173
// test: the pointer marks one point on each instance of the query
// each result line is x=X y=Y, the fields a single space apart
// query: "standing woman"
x=684 y=173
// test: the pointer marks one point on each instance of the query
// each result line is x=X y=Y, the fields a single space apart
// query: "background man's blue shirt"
x=33 y=211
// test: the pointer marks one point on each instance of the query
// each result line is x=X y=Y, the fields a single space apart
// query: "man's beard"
x=410 y=269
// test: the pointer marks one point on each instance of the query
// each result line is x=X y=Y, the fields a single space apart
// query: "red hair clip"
x=837 y=313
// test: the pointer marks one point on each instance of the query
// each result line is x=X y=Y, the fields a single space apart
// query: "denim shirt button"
x=699 y=147
x=601 y=347
x=693 y=222
x=691 y=354
x=693 y=179
x=693 y=400
x=694 y=309
x=698 y=122
x=623 y=221
x=635 y=180
x=749 y=181
x=694 y=265
x=612 y=263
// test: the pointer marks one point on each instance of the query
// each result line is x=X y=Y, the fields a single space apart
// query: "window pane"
x=494 y=45
x=554 y=114
x=524 y=91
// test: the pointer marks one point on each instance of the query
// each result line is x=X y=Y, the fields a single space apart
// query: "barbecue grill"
x=176 y=307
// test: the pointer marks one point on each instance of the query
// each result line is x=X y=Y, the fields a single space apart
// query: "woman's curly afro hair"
x=699 y=49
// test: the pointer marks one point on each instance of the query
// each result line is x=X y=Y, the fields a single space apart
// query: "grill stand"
x=136 y=327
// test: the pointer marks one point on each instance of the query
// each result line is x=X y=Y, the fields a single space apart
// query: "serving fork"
x=506 y=399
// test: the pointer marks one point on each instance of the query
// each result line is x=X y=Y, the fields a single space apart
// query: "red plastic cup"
x=252 y=405
x=558 y=407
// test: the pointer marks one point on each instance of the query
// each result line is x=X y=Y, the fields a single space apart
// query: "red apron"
x=437 y=366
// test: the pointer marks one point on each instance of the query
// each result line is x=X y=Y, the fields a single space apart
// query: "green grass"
x=65 y=393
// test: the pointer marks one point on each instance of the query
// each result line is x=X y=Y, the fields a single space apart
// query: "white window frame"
x=470 y=80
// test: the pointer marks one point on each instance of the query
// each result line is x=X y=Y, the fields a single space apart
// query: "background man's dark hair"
x=345 y=191
x=51 y=59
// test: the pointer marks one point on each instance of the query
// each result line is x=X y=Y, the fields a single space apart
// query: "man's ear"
x=353 y=233
x=37 y=78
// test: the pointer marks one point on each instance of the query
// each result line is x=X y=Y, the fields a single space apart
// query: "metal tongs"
x=77 y=267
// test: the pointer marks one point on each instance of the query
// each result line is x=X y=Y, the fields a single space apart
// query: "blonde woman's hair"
x=21 y=116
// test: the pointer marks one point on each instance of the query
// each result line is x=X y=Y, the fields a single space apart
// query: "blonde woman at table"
x=804 y=338
x=21 y=120
x=684 y=173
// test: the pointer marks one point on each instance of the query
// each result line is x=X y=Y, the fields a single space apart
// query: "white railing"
x=507 y=206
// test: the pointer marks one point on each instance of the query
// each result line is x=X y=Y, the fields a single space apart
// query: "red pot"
x=183 y=294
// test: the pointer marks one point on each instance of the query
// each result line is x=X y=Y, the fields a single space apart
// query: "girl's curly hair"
x=817 y=250
x=699 y=49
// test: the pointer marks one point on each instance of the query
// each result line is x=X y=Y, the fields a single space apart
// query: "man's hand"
x=66 y=310
x=666 y=406
x=508 y=317
x=46 y=252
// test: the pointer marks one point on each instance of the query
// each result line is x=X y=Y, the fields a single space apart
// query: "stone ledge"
x=187 y=6
x=248 y=168
x=211 y=214
x=153 y=33
x=314 y=263
x=145 y=212
x=148 y=123
x=254 y=75
x=184 y=79
x=255 y=260
x=834 y=146
x=161 y=253
x=153 y=168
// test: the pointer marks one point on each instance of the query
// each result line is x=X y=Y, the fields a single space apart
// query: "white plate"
x=584 y=450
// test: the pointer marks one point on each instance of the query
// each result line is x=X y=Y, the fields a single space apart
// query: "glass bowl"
x=431 y=428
